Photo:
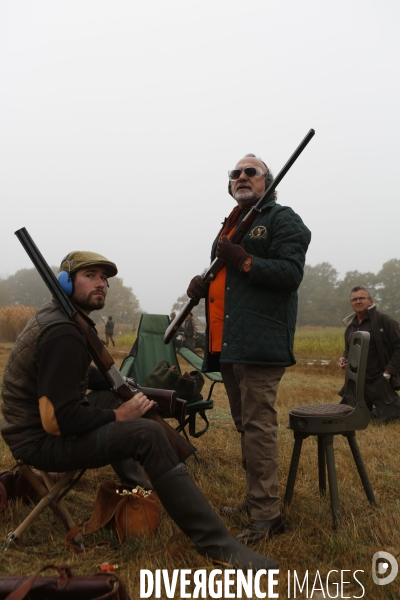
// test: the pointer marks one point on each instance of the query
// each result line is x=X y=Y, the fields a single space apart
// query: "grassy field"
x=321 y=343
x=309 y=543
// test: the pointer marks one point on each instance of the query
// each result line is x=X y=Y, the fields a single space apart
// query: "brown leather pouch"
x=64 y=586
x=132 y=511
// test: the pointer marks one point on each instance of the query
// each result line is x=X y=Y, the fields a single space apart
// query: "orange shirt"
x=216 y=302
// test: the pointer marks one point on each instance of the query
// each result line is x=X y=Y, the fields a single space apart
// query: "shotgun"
x=100 y=355
x=237 y=236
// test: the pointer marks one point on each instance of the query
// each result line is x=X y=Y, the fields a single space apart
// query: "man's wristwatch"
x=387 y=375
x=246 y=267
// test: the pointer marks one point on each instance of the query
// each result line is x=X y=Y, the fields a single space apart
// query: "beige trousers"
x=252 y=391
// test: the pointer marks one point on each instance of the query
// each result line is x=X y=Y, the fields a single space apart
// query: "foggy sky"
x=120 y=120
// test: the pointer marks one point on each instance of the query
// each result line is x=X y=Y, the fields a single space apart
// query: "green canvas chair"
x=147 y=351
x=149 y=348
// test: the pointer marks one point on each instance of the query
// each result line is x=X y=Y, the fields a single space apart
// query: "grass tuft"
x=13 y=319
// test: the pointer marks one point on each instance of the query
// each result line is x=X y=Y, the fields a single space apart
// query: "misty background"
x=119 y=121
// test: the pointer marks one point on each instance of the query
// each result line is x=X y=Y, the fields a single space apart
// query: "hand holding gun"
x=197 y=289
x=134 y=408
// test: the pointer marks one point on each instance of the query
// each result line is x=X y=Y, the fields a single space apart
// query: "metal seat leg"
x=298 y=442
x=321 y=467
x=333 y=487
x=362 y=471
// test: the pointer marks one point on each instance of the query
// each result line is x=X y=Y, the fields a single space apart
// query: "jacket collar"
x=267 y=204
x=347 y=320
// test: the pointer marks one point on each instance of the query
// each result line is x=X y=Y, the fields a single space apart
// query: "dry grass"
x=13 y=319
x=309 y=541
x=319 y=342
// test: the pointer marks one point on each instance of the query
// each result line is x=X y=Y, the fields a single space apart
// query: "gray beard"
x=245 y=198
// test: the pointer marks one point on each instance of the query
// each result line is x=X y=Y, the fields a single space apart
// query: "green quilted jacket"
x=260 y=309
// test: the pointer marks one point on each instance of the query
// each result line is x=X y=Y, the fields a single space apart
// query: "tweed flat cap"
x=78 y=259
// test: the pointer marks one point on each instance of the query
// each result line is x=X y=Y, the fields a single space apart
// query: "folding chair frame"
x=52 y=495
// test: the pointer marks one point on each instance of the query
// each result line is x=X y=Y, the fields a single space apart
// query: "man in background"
x=383 y=363
x=190 y=332
x=109 y=331
x=251 y=308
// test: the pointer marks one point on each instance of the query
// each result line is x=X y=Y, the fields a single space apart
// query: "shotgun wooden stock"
x=98 y=351
x=237 y=237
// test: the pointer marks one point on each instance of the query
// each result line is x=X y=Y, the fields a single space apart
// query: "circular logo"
x=259 y=232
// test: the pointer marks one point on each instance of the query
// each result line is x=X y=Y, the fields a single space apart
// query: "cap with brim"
x=79 y=259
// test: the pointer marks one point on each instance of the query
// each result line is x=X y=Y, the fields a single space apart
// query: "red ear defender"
x=65 y=280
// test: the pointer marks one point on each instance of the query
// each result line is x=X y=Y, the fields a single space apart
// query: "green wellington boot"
x=189 y=509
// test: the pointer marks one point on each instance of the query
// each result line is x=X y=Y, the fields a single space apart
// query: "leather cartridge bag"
x=132 y=511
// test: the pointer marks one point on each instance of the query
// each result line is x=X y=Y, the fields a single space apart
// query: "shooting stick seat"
x=327 y=420
x=52 y=494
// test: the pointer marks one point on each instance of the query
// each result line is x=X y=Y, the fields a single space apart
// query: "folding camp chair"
x=147 y=351
x=52 y=494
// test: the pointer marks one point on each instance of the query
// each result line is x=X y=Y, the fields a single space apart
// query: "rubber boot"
x=189 y=509
x=130 y=472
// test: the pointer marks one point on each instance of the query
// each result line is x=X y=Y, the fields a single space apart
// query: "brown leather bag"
x=132 y=511
x=188 y=386
x=65 y=586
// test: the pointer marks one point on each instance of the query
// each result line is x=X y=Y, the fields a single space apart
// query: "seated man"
x=51 y=423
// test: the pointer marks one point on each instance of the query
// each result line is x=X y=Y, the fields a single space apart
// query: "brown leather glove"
x=232 y=254
x=197 y=289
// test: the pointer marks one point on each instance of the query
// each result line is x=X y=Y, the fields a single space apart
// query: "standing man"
x=383 y=363
x=190 y=332
x=109 y=331
x=51 y=423
x=251 y=310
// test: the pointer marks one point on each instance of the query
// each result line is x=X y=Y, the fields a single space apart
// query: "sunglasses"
x=248 y=171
